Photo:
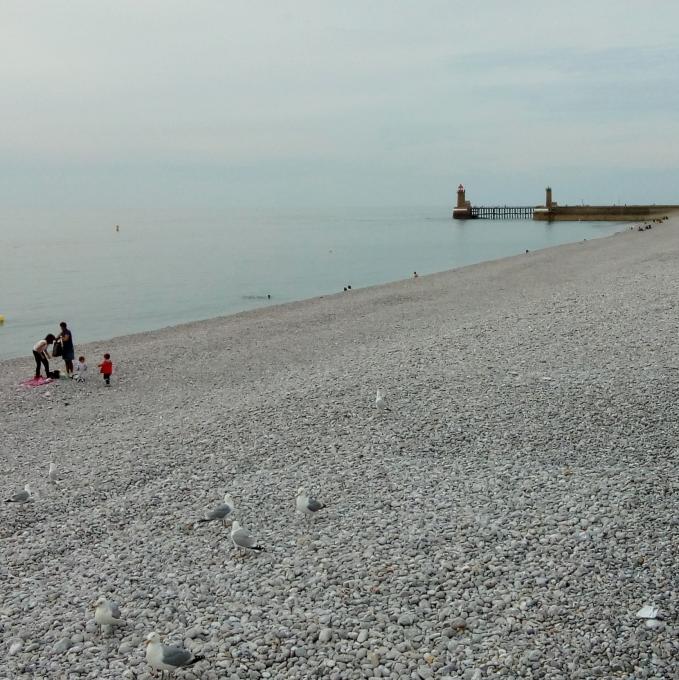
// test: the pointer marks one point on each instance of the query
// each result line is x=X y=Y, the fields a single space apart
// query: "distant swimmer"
x=117 y=227
x=527 y=251
x=268 y=296
x=349 y=287
x=415 y=275
x=345 y=289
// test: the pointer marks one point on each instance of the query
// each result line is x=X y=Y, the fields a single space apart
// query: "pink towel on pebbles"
x=36 y=382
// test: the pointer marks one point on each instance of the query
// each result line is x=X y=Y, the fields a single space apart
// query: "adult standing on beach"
x=67 y=350
x=41 y=355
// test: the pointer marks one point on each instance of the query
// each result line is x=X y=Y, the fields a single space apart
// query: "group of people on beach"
x=62 y=346
x=646 y=227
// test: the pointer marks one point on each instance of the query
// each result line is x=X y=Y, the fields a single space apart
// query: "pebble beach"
x=506 y=517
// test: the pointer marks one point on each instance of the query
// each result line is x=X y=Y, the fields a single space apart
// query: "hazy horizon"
x=127 y=105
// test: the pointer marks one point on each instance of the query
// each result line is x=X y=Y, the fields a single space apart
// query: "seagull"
x=380 y=401
x=168 y=659
x=52 y=474
x=221 y=512
x=307 y=505
x=243 y=539
x=25 y=496
x=107 y=613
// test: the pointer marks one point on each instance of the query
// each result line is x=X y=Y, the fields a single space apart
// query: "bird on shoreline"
x=22 y=497
x=306 y=505
x=380 y=401
x=221 y=512
x=243 y=539
x=165 y=658
x=52 y=476
x=107 y=613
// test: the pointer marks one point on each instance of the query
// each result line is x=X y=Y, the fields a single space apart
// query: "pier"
x=551 y=211
x=504 y=212
x=464 y=210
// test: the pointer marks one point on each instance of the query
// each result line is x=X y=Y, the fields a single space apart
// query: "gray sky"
x=220 y=103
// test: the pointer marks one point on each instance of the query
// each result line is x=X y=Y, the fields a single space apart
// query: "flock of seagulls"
x=165 y=658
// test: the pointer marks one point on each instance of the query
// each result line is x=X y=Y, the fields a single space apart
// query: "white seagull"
x=243 y=539
x=306 y=505
x=380 y=401
x=221 y=512
x=25 y=496
x=107 y=613
x=52 y=476
x=168 y=659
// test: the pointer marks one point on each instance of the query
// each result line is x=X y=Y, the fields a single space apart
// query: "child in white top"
x=80 y=371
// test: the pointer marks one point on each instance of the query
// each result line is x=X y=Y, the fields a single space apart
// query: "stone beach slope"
x=507 y=517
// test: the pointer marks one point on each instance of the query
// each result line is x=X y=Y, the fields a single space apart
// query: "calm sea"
x=164 y=269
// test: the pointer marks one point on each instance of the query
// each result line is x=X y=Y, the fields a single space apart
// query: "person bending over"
x=41 y=355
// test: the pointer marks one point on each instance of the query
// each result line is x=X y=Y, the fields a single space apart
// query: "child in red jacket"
x=106 y=367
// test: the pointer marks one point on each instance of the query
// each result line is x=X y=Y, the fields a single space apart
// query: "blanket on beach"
x=36 y=382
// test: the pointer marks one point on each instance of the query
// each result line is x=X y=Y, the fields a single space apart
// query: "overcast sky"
x=220 y=103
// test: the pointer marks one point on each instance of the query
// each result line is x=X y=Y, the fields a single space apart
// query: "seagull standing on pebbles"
x=22 y=497
x=306 y=505
x=52 y=474
x=107 y=613
x=167 y=659
x=243 y=539
x=221 y=512
x=380 y=401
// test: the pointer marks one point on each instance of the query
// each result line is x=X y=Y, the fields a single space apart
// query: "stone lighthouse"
x=460 y=197
x=462 y=210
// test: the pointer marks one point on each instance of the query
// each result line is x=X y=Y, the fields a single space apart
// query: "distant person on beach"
x=106 y=368
x=67 y=351
x=80 y=370
x=41 y=355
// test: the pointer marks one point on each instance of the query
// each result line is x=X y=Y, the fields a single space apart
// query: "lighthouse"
x=462 y=210
x=460 y=197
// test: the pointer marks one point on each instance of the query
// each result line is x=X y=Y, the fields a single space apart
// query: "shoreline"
x=277 y=306
x=517 y=501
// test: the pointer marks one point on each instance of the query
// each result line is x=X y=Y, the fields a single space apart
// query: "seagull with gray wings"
x=306 y=505
x=52 y=476
x=22 y=497
x=243 y=539
x=165 y=658
x=221 y=511
x=107 y=613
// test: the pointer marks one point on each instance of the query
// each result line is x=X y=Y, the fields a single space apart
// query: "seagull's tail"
x=195 y=659
x=258 y=548
x=204 y=519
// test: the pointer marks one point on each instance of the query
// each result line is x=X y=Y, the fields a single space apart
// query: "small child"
x=106 y=367
x=80 y=371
